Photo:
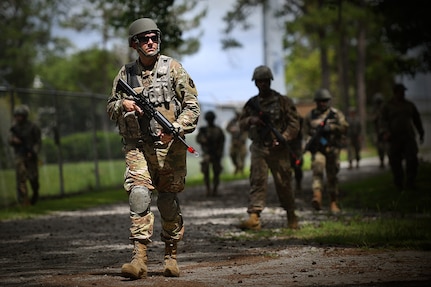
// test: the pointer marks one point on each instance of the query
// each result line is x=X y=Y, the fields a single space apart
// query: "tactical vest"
x=273 y=110
x=159 y=91
x=332 y=139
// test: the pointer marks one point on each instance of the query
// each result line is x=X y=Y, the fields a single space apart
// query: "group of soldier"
x=155 y=149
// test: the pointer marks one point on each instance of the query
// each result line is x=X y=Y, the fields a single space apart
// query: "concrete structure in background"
x=419 y=92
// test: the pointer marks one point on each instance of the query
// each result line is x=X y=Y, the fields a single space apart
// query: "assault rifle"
x=318 y=138
x=22 y=148
x=267 y=121
x=151 y=112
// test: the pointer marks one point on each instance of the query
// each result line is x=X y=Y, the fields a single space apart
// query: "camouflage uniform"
x=238 y=148
x=353 y=139
x=211 y=138
x=399 y=119
x=380 y=143
x=26 y=157
x=267 y=155
x=327 y=156
x=150 y=163
x=296 y=160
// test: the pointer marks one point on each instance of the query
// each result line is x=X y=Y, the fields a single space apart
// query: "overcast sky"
x=220 y=76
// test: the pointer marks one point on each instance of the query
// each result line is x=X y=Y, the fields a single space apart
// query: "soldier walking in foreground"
x=325 y=126
x=271 y=120
x=238 y=148
x=399 y=119
x=25 y=138
x=154 y=158
x=211 y=138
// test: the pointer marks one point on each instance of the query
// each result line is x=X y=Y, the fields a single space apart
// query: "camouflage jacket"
x=30 y=136
x=337 y=126
x=211 y=139
x=399 y=118
x=281 y=113
x=168 y=87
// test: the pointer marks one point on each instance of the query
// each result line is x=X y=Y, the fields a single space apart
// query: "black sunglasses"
x=146 y=39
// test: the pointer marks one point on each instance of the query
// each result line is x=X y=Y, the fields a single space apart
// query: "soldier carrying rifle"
x=25 y=138
x=271 y=120
x=325 y=126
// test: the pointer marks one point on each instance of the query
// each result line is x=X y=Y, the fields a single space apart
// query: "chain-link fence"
x=78 y=141
x=81 y=149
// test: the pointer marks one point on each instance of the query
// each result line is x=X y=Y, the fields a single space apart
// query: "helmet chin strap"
x=140 y=50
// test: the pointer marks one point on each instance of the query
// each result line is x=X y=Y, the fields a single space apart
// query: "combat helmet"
x=21 y=110
x=210 y=116
x=378 y=98
x=142 y=25
x=322 y=95
x=262 y=73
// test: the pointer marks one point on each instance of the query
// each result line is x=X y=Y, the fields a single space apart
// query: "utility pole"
x=273 y=43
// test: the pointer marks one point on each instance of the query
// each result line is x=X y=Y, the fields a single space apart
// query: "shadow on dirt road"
x=87 y=248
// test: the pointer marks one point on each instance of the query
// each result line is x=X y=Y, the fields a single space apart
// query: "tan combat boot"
x=137 y=268
x=171 y=266
x=333 y=207
x=292 y=220
x=316 y=202
x=253 y=222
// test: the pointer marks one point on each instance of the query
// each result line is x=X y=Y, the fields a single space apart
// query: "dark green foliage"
x=406 y=27
x=25 y=28
x=80 y=147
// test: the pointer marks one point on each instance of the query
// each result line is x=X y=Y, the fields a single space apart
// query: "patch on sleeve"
x=191 y=83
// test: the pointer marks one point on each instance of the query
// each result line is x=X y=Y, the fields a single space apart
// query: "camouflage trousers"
x=26 y=169
x=207 y=163
x=238 y=154
x=399 y=150
x=353 y=150
x=163 y=169
x=382 y=147
x=328 y=162
x=278 y=162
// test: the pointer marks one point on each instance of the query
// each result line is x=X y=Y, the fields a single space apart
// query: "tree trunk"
x=360 y=79
x=343 y=64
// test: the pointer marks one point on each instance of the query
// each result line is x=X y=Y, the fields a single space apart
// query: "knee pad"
x=139 y=199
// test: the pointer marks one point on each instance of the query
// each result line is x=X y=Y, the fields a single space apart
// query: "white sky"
x=221 y=77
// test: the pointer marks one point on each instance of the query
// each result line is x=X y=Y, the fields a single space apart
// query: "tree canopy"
x=398 y=40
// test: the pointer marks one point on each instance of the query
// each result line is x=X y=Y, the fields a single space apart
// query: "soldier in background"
x=238 y=148
x=25 y=138
x=268 y=152
x=325 y=154
x=399 y=120
x=211 y=138
x=155 y=160
x=353 y=138
x=296 y=159
x=381 y=144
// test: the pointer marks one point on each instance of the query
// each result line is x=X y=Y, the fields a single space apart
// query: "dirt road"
x=87 y=248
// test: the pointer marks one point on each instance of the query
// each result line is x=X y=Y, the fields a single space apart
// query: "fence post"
x=95 y=154
x=57 y=140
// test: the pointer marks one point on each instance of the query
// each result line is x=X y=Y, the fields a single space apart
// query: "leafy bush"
x=80 y=147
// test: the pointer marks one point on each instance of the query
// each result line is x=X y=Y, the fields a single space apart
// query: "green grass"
x=68 y=203
x=77 y=177
x=80 y=190
x=362 y=232
x=375 y=214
